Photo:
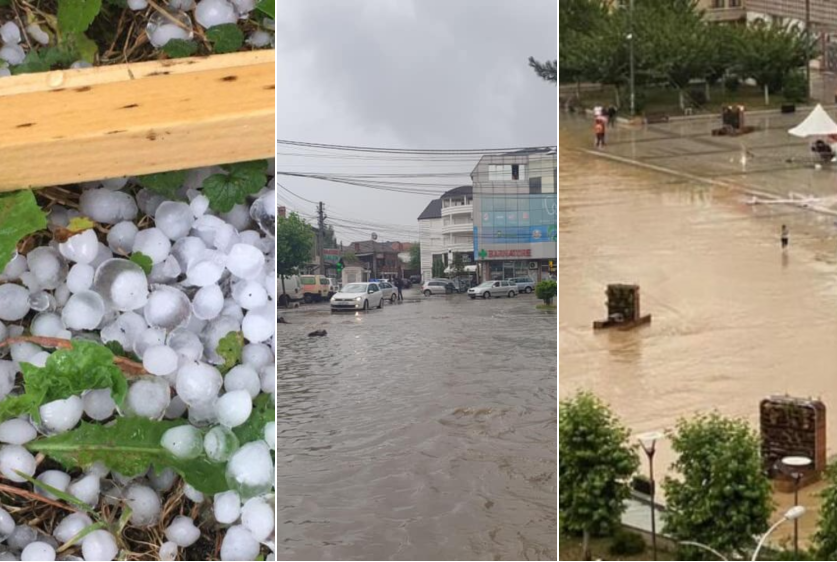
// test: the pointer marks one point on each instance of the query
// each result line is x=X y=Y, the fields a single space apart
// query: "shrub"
x=546 y=290
x=731 y=83
x=697 y=97
x=795 y=88
x=627 y=543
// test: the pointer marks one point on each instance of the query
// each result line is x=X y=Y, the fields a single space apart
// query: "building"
x=387 y=262
x=446 y=230
x=515 y=209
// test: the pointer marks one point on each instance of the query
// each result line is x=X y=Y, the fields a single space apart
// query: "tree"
x=546 y=290
x=415 y=256
x=825 y=539
x=548 y=70
x=294 y=243
x=457 y=266
x=438 y=267
x=722 y=497
x=576 y=19
x=595 y=463
x=349 y=257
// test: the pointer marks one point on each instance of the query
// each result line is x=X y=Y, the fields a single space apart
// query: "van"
x=289 y=289
x=315 y=288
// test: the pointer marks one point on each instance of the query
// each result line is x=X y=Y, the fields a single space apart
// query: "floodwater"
x=734 y=319
x=423 y=431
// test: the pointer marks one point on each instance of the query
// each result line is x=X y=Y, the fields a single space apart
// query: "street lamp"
x=792 y=514
x=649 y=444
x=793 y=466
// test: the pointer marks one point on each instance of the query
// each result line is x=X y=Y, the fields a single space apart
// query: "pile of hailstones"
x=161 y=28
x=212 y=274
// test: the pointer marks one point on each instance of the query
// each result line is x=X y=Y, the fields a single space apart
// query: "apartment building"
x=446 y=229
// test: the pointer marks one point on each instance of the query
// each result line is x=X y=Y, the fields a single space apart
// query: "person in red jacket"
x=599 y=130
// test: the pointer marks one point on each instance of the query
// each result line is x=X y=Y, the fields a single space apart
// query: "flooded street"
x=734 y=319
x=423 y=431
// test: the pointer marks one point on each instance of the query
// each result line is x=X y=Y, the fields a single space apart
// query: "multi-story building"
x=380 y=259
x=515 y=209
x=446 y=230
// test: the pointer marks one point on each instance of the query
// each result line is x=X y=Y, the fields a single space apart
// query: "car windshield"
x=487 y=284
x=354 y=288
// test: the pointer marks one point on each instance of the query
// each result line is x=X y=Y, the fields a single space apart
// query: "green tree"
x=548 y=70
x=595 y=464
x=294 y=244
x=415 y=256
x=825 y=539
x=457 y=266
x=546 y=290
x=438 y=267
x=722 y=496
x=349 y=257
x=576 y=19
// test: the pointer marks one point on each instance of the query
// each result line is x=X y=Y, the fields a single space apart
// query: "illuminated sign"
x=509 y=253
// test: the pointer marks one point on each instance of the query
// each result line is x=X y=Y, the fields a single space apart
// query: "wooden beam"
x=69 y=126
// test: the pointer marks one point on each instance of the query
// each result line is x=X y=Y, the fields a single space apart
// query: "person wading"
x=785 y=236
x=599 y=129
x=399 y=284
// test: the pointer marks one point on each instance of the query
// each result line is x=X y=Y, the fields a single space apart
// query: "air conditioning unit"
x=533 y=265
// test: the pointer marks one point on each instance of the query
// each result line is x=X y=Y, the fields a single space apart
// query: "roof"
x=456 y=191
x=432 y=211
x=525 y=151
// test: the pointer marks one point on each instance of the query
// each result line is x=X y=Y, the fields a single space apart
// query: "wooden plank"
x=136 y=119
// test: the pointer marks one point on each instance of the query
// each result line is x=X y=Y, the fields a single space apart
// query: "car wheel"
x=427 y=292
x=366 y=304
x=393 y=298
x=381 y=302
x=306 y=299
x=284 y=300
x=486 y=295
x=511 y=294
x=473 y=297
x=528 y=290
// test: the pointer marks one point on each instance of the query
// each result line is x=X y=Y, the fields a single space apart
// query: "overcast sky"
x=428 y=74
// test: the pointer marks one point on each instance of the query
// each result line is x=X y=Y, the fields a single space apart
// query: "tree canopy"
x=294 y=244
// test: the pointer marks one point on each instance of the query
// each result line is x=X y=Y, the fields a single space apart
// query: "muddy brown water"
x=423 y=431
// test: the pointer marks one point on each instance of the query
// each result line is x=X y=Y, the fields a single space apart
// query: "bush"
x=546 y=290
x=697 y=98
x=795 y=88
x=731 y=83
x=627 y=543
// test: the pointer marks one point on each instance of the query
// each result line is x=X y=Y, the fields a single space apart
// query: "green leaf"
x=143 y=261
x=227 y=38
x=264 y=410
x=116 y=348
x=61 y=495
x=165 y=183
x=68 y=372
x=75 y=16
x=84 y=47
x=80 y=224
x=20 y=216
x=230 y=347
x=129 y=446
x=267 y=7
x=179 y=48
x=227 y=190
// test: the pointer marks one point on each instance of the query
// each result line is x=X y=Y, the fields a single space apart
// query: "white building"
x=446 y=228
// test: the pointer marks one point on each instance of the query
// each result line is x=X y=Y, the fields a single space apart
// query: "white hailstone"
x=257 y=355
x=121 y=237
x=22 y=536
x=47 y=267
x=38 y=551
x=165 y=272
x=148 y=201
x=148 y=398
x=270 y=435
x=62 y=294
x=232 y=310
x=103 y=255
x=14 y=302
x=39 y=359
x=238 y=216
x=214 y=332
x=115 y=184
x=14 y=459
x=162 y=33
x=59 y=416
x=225 y=238
x=176 y=408
x=238 y=543
x=16 y=266
x=202 y=414
x=243 y=377
x=80 y=277
x=46 y=324
x=250 y=469
x=208 y=302
x=145 y=504
x=125 y=329
x=12 y=54
x=41 y=301
x=149 y=337
x=188 y=250
x=83 y=311
x=17 y=432
x=38 y=34
x=210 y=13
x=196 y=326
x=153 y=243
x=160 y=360
x=183 y=441
x=99 y=545
x=185 y=343
x=204 y=272
x=193 y=494
x=10 y=33
x=206 y=226
x=137 y=5
x=181 y=4
x=249 y=294
x=168 y=551
x=86 y=489
x=259 y=38
x=258 y=324
x=81 y=247
x=98 y=404
x=8 y=370
x=55 y=479
x=4 y=72
x=257 y=517
x=23 y=352
x=199 y=205
x=108 y=207
x=122 y=284
x=249 y=237
x=183 y=532
x=71 y=526
x=227 y=507
x=174 y=219
x=198 y=382
x=220 y=443
x=7 y=524
x=267 y=374
x=245 y=261
x=244 y=7
x=167 y=308
x=233 y=408
x=163 y=480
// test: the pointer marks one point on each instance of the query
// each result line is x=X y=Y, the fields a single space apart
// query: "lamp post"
x=631 y=54
x=792 y=514
x=807 y=42
x=649 y=445
x=374 y=256
x=793 y=467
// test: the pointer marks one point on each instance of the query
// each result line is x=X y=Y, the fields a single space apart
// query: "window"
x=717 y=4
x=515 y=172
x=534 y=186
x=734 y=3
x=506 y=172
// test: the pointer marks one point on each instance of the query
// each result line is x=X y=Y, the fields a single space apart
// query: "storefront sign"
x=509 y=253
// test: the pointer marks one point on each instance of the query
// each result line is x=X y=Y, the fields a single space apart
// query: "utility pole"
x=808 y=42
x=321 y=217
x=631 y=47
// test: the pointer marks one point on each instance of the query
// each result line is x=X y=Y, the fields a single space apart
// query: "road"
x=425 y=430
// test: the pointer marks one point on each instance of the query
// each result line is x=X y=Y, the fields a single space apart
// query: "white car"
x=390 y=292
x=493 y=289
x=358 y=296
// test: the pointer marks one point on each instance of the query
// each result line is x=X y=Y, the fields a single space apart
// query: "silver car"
x=437 y=287
x=524 y=284
x=493 y=289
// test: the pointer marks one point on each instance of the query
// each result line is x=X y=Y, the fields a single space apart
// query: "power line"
x=390 y=150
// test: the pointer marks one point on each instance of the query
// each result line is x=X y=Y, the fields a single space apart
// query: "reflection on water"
x=422 y=431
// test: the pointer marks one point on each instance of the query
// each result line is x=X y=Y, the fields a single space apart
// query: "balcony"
x=726 y=14
x=457 y=209
x=453 y=228
x=459 y=247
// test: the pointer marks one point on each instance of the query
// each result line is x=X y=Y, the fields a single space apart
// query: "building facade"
x=446 y=230
x=515 y=210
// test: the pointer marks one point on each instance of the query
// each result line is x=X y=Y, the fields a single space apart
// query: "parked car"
x=333 y=286
x=406 y=283
x=493 y=289
x=390 y=292
x=415 y=279
x=524 y=284
x=289 y=289
x=358 y=296
x=437 y=287
x=315 y=288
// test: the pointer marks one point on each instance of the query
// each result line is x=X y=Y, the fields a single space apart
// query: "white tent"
x=818 y=123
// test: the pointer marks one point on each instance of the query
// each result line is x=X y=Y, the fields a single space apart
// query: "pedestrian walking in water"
x=611 y=116
x=599 y=129
x=785 y=236
x=399 y=284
